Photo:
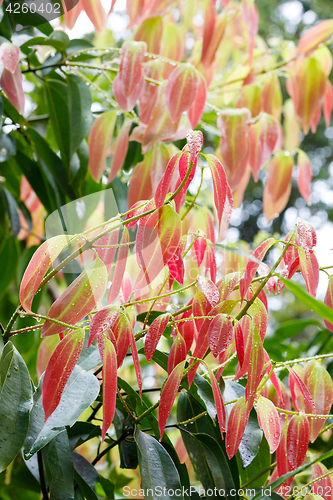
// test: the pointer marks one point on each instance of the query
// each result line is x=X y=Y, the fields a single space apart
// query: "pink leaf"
x=220 y=334
x=237 y=421
x=108 y=240
x=136 y=363
x=210 y=290
x=304 y=175
x=119 y=268
x=297 y=440
x=9 y=56
x=177 y=353
x=101 y=322
x=119 y=149
x=263 y=136
x=197 y=108
x=220 y=410
x=59 y=369
x=13 y=87
x=239 y=339
x=328 y=300
x=222 y=192
x=99 y=142
x=109 y=374
x=309 y=269
x=181 y=89
x=96 y=13
x=295 y=379
x=315 y=35
x=269 y=422
x=78 y=300
x=168 y=396
x=251 y=266
x=155 y=332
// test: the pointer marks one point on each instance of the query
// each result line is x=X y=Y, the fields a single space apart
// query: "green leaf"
x=291 y=328
x=156 y=467
x=85 y=475
x=35 y=176
x=217 y=463
x=127 y=449
x=12 y=209
x=161 y=358
x=187 y=408
x=80 y=392
x=261 y=462
x=108 y=487
x=58 y=462
x=82 y=432
x=15 y=404
x=57 y=100
x=7 y=146
x=53 y=163
x=318 y=307
x=204 y=390
x=80 y=116
x=9 y=257
x=249 y=445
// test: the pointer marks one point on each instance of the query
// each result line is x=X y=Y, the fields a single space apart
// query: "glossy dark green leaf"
x=156 y=467
x=204 y=390
x=317 y=306
x=58 y=39
x=80 y=116
x=53 y=163
x=57 y=100
x=58 y=463
x=107 y=486
x=217 y=463
x=291 y=328
x=161 y=358
x=80 y=392
x=81 y=432
x=187 y=408
x=85 y=475
x=249 y=445
x=7 y=147
x=15 y=404
x=261 y=462
x=35 y=176
x=9 y=257
x=127 y=448
x=12 y=210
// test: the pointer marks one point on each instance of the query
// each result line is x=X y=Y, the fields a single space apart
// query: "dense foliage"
x=141 y=338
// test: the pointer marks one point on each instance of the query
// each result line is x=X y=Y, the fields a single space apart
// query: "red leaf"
x=99 y=142
x=234 y=143
x=128 y=83
x=176 y=266
x=119 y=149
x=39 y=264
x=150 y=31
x=71 y=12
x=304 y=175
x=328 y=103
x=283 y=465
x=306 y=235
x=13 y=87
x=156 y=242
x=109 y=374
x=324 y=486
x=239 y=339
x=210 y=262
x=140 y=187
x=220 y=410
x=256 y=365
x=168 y=396
x=149 y=92
x=177 y=353
x=187 y=329
x=96 y=13
x=210 y=290
x=263 y=135
x=163 y=187
x=237 y=421
x=220 y=334
x=260 y=318
x=297 y=440
x=181 y=89
x=309 y=269
x=200 y=246
x=136 y=363
x=9 y=56
x=78 y=300
x=222 y=192
x=201 y=307
x=59 y=369
x=101 y=322
x=213 y=33
x=328 y=300
x=45 y=351
x=227 y=284
x=271 y=96
x=195 y=142
x=251 y=266
x=314 y=36
x=269 y=422
x=154 y=333
x=119 y=268
x=197 y=108
x=278 y=184
x=107 y=254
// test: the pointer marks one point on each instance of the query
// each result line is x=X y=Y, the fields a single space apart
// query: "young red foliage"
x=220 y=334
x=101 y=322
x=109 y=374
x=297 y=440
x=12 y=85
x=328 y=300
x=168 y=396
x=119 y=149
x=99 y=142
x=278 y=184
x=119 y=269
x=237 y=421
x=304 y=175
x=78 y=300
x=222 y=192
x=181 y=89
x=220 y=410
x=59 y=369
x=177 y=352
x=269 y=422
x=154 y=333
